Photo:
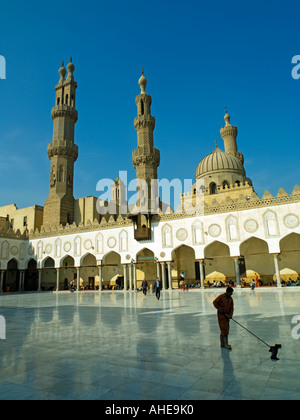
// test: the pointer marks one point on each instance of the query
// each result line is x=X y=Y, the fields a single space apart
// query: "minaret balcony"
x=64 y=111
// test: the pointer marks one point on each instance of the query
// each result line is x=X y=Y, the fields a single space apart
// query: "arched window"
x=213 y=188
x=225 y=185
x=67 y=99
x=58 y=101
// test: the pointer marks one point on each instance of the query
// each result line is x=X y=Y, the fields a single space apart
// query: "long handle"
x=249 y=331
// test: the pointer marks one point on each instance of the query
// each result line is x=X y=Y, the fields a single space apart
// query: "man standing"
x=145 y=287
x=156 y=288
x=225 y=307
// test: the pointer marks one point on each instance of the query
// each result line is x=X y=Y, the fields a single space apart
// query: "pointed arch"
x=48 y=263
x=57 y=248
x=88 y=260
x=232 y=228
x=67 y=261
x=255 y=252
x=123 y=241
x=99 y=244
x=77 y=246
x=167 y=236
x=270 y=223
x=5 y=250
x=197 y=232
x=289 y=257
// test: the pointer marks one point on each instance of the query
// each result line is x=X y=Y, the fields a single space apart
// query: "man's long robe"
x=223 y=303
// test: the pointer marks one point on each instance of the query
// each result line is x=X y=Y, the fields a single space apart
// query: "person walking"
x=225 y=307
x=145 y=287
x=156 y=288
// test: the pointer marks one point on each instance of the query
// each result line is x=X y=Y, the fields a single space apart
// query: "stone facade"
x=235 y=235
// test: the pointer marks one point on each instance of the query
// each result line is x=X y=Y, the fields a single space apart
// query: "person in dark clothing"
x=157 y=288
x=145 y=287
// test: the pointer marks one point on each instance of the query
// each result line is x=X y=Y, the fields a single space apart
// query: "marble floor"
x=125 y=346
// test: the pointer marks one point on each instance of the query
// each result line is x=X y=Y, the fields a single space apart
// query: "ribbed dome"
x=219 y=161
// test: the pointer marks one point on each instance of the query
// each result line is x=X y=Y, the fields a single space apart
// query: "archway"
x=289 y=259
x=89 y=272
x=48 y=274
x=12 y=280
x=112 y=271
x=68 y=273
x=146 y=269
x=185 y=265
x=257 y=260
x=31 y=276
x=219 y=266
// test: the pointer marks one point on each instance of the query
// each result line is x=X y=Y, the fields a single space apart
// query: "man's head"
x=229 y=291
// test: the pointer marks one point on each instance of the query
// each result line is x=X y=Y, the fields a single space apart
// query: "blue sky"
x=198 y=57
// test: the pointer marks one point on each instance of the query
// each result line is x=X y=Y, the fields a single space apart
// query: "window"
x=25 y=221
x=12 y=222
x=213 y=188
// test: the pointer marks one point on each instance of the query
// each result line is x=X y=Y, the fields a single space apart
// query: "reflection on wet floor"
x=125 y=346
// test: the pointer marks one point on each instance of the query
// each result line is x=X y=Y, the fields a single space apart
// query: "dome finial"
x=216 y=143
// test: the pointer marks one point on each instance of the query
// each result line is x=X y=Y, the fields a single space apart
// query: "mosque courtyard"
x=125 y=346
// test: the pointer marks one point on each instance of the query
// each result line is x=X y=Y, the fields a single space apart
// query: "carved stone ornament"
x=67 y=247
x=88 y=244
x=291 y=221
x=251 y=226
x=48 y=249
x=181 y=234
x=214 y=230
x=14 y=250
x=111 y=242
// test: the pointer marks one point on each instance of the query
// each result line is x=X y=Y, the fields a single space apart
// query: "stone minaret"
x=146 y=158
x=229 y=134
x=62 y=152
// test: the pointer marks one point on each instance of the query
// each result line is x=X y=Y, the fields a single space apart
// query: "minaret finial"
x=143 y=83
x=216 y=143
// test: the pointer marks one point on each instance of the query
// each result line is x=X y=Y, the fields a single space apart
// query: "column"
x=277 y=270
x=21 y=281
x=130 y=276
x=1 y=280
x=125 y=276
x=202 y=279
x=163 y=272
x=134 y=278
x=40 y=281
x=57 y=279
x=169 y=275
x=100 y=278
x=237 y=271
x=158 y=269
x=78 y=279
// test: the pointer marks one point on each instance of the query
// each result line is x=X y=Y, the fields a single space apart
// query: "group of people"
x=156 y=287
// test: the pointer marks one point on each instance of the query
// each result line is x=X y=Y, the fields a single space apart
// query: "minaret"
x=229 y=134
x=62 y=152
x=146 y=158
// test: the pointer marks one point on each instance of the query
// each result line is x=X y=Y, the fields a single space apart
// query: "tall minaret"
x=62 y=152
x=146 y=158
x=229 y=134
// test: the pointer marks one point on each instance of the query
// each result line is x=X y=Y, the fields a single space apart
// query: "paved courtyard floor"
x=125 y=346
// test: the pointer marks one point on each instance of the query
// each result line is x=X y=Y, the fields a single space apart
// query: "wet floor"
x=125 y=346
